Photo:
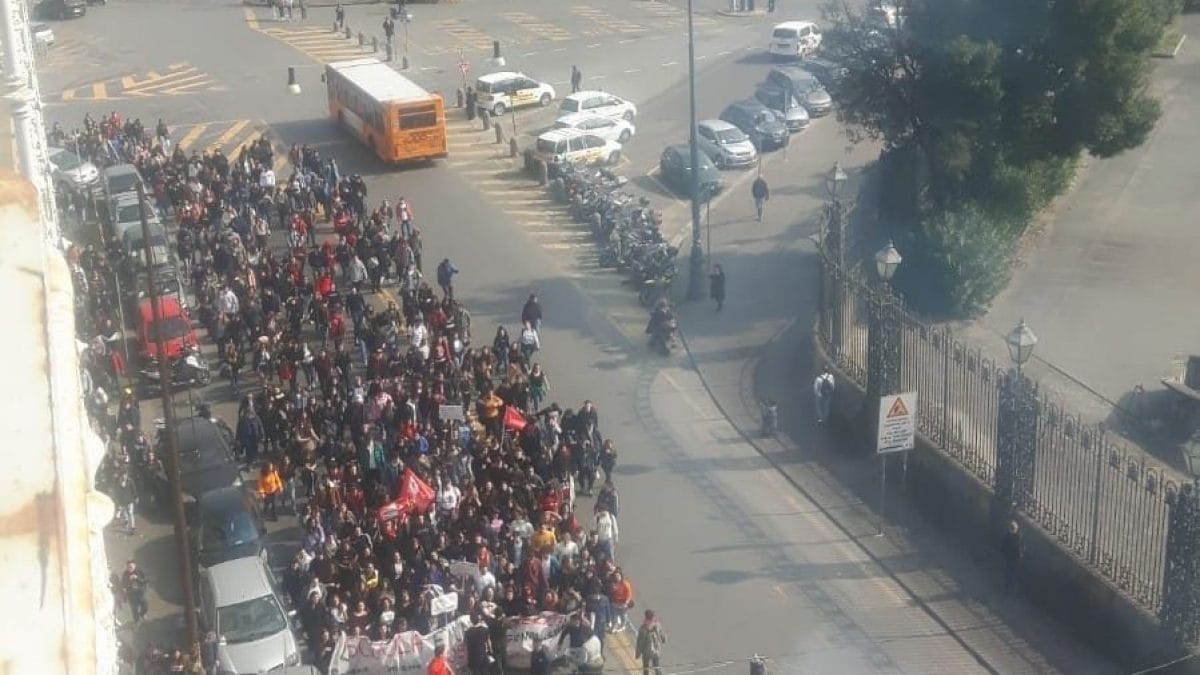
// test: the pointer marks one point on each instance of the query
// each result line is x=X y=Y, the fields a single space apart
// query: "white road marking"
x=633 y=70
x=594 y=44
x=671 y=63
x=529 y=54
x=727 y=51
x=624 y=42
x=560 y=49
x=701 y=58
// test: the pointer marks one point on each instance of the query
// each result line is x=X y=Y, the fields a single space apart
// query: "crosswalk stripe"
x=229 y=134
x=191 y=136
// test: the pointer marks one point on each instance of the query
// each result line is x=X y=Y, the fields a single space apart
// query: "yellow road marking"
x=99 y=91
x=251 y=19
x=229 y=134
x=191 y=136
x=178 y=82
x=68 y=95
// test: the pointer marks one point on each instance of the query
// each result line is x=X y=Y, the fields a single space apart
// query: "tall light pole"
x=696 y=266
x=1017 y=421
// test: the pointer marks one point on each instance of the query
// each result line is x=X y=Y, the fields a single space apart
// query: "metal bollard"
x=335 y=27
x=512 y=147
x=347 y=32
x=499 y=134
x=362 y=39
x=375 y=44
x=404 y=62
x=458 y=98
x=487 y=119
x=390 y=53
x=543 y=172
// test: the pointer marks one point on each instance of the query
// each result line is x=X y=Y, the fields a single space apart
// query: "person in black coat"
x=716 y=286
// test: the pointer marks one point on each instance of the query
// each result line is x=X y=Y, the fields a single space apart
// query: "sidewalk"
x=757 y=347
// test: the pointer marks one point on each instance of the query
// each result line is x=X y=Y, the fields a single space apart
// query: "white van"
x=794 y=39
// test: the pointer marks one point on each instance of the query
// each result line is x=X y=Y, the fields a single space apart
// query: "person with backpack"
x=650 y=640
x=823 y=388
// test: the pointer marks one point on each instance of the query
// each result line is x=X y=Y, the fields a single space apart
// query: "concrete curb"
x=1174 y=52
x=742 y=15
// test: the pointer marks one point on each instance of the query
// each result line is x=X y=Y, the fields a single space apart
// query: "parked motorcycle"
x=190 y=371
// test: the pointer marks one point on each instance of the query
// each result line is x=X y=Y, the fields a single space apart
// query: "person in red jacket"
x=439 y=665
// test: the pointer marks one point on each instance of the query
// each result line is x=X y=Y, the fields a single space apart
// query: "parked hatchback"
x=764 y=126
x=609 y=128
x=118 y=180
x=726 y=145
x=781 y=101
x=239 y=602
x=804 y=86
x=67 y=168
x=675 y=169
x=226 y=525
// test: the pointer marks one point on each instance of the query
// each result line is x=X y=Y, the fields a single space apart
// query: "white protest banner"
x=523 y=630
x=407 y=652
x=463 y=569
x=443 y=604
x=450 y=412
x=410 y=652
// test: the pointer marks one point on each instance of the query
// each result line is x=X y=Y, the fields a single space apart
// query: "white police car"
x=608 y=128
x=576 y=147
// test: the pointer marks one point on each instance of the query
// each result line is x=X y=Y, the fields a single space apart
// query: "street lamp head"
x=835 y=180
x=1021 y=341
x=887 y=260
x=292 y=85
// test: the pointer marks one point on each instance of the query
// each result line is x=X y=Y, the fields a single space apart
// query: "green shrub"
x=956 y=261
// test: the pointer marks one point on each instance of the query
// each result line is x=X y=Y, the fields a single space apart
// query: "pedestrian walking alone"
x=761 y=194
x=134 y=583
x=339 y=16
x=650 y=640
x=716 y=286
x=576 y=79
x=823 y=388
x=1011 y=551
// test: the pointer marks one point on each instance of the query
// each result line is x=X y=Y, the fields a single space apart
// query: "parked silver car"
x=239 y=602
x=726 y=145
x=67 y=168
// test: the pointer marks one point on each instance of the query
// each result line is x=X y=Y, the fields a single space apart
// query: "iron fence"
x=1093 y=492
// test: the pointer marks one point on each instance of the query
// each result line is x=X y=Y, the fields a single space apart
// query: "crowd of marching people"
x=420 y=456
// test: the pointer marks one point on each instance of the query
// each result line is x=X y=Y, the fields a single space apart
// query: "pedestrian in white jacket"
x=607 y=532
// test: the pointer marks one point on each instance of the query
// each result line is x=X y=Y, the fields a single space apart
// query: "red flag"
x=514 y=420
x=416 y=496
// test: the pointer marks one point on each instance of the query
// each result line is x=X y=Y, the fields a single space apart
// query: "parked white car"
x=598 y=103
x=576 y=147
x=608 y=128
x=794 y=40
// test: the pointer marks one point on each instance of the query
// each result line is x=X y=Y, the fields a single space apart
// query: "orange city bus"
x=392 y=115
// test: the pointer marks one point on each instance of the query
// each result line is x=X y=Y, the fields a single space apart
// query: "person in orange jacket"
x=439 y=665
x=270 y=486
x=620 y=596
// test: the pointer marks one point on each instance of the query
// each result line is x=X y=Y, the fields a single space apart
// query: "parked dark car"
x=206 y=460
x=61 y=9
x=675 y=168
x=764 y=126
x=226 y=524
x=805 y=86
x=827 y=72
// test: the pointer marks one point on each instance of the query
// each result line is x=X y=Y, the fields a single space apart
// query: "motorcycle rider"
x=662 y=323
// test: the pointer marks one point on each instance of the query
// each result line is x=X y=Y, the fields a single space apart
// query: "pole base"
x=696 y=271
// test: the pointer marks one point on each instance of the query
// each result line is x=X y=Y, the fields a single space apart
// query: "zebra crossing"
x=487 y=165
x=230 y=136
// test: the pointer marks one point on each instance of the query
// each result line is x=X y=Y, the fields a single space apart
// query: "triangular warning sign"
x=898 y=409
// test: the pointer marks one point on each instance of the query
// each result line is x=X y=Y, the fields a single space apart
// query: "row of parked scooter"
x=626 y=229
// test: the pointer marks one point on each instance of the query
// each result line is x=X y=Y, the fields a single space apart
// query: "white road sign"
x=897 y=422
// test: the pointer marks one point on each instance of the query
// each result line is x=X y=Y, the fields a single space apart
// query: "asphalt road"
x=734 y=560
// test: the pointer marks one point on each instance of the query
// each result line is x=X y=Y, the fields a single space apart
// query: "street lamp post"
x=833 y=235
x=883 y=329
x=696 y=261
x=1017 y=417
